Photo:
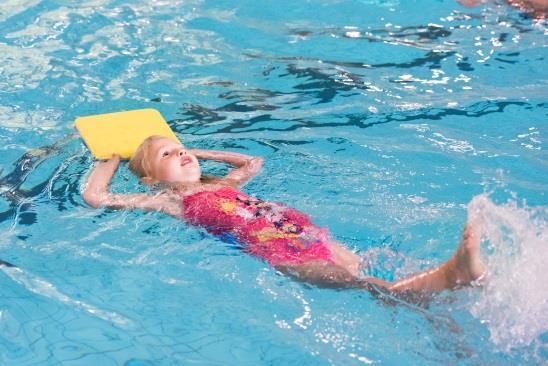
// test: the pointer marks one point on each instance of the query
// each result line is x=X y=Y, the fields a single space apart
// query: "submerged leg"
x=328 y=275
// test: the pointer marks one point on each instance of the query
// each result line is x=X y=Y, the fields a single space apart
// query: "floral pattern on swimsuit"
x=271 y=231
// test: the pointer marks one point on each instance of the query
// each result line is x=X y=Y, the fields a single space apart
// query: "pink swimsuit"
x=271 y=231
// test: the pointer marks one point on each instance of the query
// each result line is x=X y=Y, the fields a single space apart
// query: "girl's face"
x=170 y=162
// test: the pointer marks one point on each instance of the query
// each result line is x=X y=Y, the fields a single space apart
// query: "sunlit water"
x=386 y=121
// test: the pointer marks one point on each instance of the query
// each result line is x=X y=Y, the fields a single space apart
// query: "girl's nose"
x=182 y=152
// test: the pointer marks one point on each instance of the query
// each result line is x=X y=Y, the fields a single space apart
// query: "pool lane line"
x=47 y=289
x=6 y=264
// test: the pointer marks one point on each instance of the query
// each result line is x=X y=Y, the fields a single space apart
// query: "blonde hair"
x=139 y=163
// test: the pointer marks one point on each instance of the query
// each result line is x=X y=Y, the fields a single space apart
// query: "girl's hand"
x=96 y=189
x=236 y=159
x=247 y=166
x=244 y=173
x=254 y=165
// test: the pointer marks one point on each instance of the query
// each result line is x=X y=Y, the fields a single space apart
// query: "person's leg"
x=341 y=271
x=539 y=7
x=342 y=257
x=464 y=267
x=329 y=275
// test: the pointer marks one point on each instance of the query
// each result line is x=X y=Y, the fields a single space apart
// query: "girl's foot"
x=467 y=264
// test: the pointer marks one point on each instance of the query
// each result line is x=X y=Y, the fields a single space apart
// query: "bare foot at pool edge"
x=468 y=266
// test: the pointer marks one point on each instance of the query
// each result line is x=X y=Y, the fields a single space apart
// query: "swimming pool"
x=381 y=119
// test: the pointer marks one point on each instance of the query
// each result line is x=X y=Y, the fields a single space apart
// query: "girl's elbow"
x=93 y=199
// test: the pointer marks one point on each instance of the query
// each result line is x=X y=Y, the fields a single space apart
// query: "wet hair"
x=139 y=163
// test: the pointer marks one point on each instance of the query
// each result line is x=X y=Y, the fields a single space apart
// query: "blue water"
x=381 y=119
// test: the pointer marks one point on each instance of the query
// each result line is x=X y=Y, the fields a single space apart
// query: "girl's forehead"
x=164 y=143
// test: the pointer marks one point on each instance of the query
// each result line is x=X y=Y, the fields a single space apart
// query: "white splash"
x=514 y=302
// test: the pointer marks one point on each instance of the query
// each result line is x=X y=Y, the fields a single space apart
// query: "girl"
x=282 y=236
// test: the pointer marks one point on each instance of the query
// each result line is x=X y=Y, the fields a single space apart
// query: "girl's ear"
x=148 y=180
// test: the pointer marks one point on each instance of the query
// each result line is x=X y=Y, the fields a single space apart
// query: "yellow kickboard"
x=121 y=132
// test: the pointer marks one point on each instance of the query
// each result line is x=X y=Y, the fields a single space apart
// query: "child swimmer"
x=282 y=236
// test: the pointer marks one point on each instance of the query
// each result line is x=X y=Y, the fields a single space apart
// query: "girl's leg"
x=329 y=275
x=464 y=267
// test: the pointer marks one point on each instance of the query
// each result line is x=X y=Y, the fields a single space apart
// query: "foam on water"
x=514 y=301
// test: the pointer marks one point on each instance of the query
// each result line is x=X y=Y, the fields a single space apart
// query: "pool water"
x=381 y=119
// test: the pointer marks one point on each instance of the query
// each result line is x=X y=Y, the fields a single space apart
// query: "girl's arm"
x=246 y=166
x=96 y=192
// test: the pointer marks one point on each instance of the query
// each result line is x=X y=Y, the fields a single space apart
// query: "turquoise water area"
x=381 y=119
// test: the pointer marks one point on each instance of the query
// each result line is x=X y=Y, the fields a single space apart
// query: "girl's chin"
x=185 y=181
